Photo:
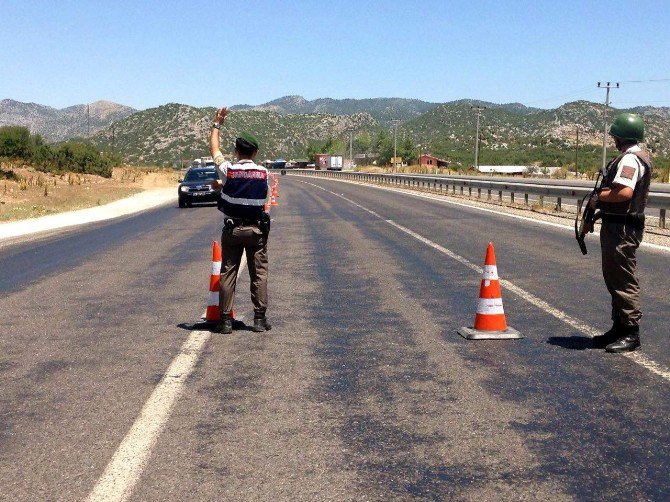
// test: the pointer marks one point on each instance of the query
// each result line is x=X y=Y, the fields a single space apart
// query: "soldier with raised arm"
x=244 y=192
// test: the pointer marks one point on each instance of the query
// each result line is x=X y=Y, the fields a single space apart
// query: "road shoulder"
x=16 y=230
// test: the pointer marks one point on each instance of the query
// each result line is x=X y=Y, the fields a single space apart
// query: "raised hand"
x=221 y=115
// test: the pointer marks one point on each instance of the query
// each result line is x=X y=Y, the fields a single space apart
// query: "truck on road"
x=327 y=161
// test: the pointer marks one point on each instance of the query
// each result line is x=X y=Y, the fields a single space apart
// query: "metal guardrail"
x=446 y=185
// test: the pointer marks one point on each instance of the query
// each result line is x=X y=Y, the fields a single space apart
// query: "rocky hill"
x=57 y=125
x=450 y=127
x=383 y=110
x=510 y=133
x=164 y=134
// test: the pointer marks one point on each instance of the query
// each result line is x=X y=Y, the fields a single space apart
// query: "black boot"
x=627 y=343
x=261 y=324
x=615 y=332
x=225 y=326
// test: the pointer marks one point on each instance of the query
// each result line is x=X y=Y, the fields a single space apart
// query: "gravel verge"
x=122 y=207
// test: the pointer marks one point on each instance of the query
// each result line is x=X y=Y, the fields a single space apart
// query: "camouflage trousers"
x=619 y=243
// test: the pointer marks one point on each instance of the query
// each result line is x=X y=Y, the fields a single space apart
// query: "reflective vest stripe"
x=243 y=202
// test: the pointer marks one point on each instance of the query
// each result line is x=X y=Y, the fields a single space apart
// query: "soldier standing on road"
x=244 y=192
x=622 y=200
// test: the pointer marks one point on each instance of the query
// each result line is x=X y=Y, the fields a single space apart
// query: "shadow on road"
x=573 y=342
x=210 y=325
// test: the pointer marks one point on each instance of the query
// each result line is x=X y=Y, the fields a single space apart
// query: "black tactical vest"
x=637 y=204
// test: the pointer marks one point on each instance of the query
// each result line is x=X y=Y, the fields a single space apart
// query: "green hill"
x=162 y=135
x=383 y=110
x=510 y=133
x=518 y=135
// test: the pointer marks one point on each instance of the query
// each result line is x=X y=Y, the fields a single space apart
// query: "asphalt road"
x=362 y=390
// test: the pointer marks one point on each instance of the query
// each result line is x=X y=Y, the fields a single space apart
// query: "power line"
x=586 y=91
x=567 y=94
x=633 y=102
x=646 y=81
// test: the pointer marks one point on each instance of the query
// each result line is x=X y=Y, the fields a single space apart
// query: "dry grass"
x=26 y=193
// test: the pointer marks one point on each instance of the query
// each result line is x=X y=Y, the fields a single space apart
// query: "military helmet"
x=629 y=126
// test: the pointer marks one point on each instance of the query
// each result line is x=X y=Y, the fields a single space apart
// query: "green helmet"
x=628 y=126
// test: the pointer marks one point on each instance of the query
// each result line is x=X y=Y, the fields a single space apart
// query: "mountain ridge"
x=288 y=125
x=56 y=124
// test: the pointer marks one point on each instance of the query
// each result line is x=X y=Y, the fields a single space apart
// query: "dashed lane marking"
x=442 y=199
x=131 y=457
x=637 y=357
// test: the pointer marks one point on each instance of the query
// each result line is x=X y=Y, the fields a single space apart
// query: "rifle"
x=589 y=216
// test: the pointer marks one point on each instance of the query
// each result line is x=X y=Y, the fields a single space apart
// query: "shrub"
x=15 y=142
x=76 y=156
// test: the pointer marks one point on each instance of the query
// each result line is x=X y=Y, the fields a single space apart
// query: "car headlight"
x=183 y=189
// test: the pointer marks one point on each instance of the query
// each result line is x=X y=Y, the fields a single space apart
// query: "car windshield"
x=199 y=175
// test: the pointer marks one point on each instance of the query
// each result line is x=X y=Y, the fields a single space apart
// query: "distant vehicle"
x=326 y=161
x=296 y=164
x=335 y=163
x=198 y=186
x=278 y=164
x=203 y=162
x=321 y=160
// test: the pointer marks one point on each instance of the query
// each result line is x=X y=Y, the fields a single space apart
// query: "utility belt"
x=263 y=223
x=633 y=220
x=231 y=223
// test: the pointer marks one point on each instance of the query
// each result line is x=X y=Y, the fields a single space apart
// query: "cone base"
x=476 y=334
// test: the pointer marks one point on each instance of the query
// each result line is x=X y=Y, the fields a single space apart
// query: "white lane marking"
x=131 y=457
x=637 y=357
x=443 y=199
x=127 y=464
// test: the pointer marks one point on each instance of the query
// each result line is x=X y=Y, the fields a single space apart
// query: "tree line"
x=71 y=156
x=586 y=159
x=381 y=142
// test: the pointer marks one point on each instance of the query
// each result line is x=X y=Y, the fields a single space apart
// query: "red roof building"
x=427 y=160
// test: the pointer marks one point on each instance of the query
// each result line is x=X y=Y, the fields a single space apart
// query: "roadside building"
x=428 y=160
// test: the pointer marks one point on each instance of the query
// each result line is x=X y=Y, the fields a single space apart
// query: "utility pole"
x=576 y=151
x=395 y=144
x=479 y=112
x=606 y=86
x=351 y=150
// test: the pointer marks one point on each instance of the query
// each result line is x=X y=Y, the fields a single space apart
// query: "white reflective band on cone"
x=490 y=272
x=490 y=306
x=213 y=298
x=216 y=268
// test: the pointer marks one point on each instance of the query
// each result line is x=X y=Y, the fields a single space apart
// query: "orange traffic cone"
x=490 y=322
x=273 y=201
x=213 y=314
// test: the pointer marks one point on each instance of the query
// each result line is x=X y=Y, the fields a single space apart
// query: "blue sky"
x=148 y=53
